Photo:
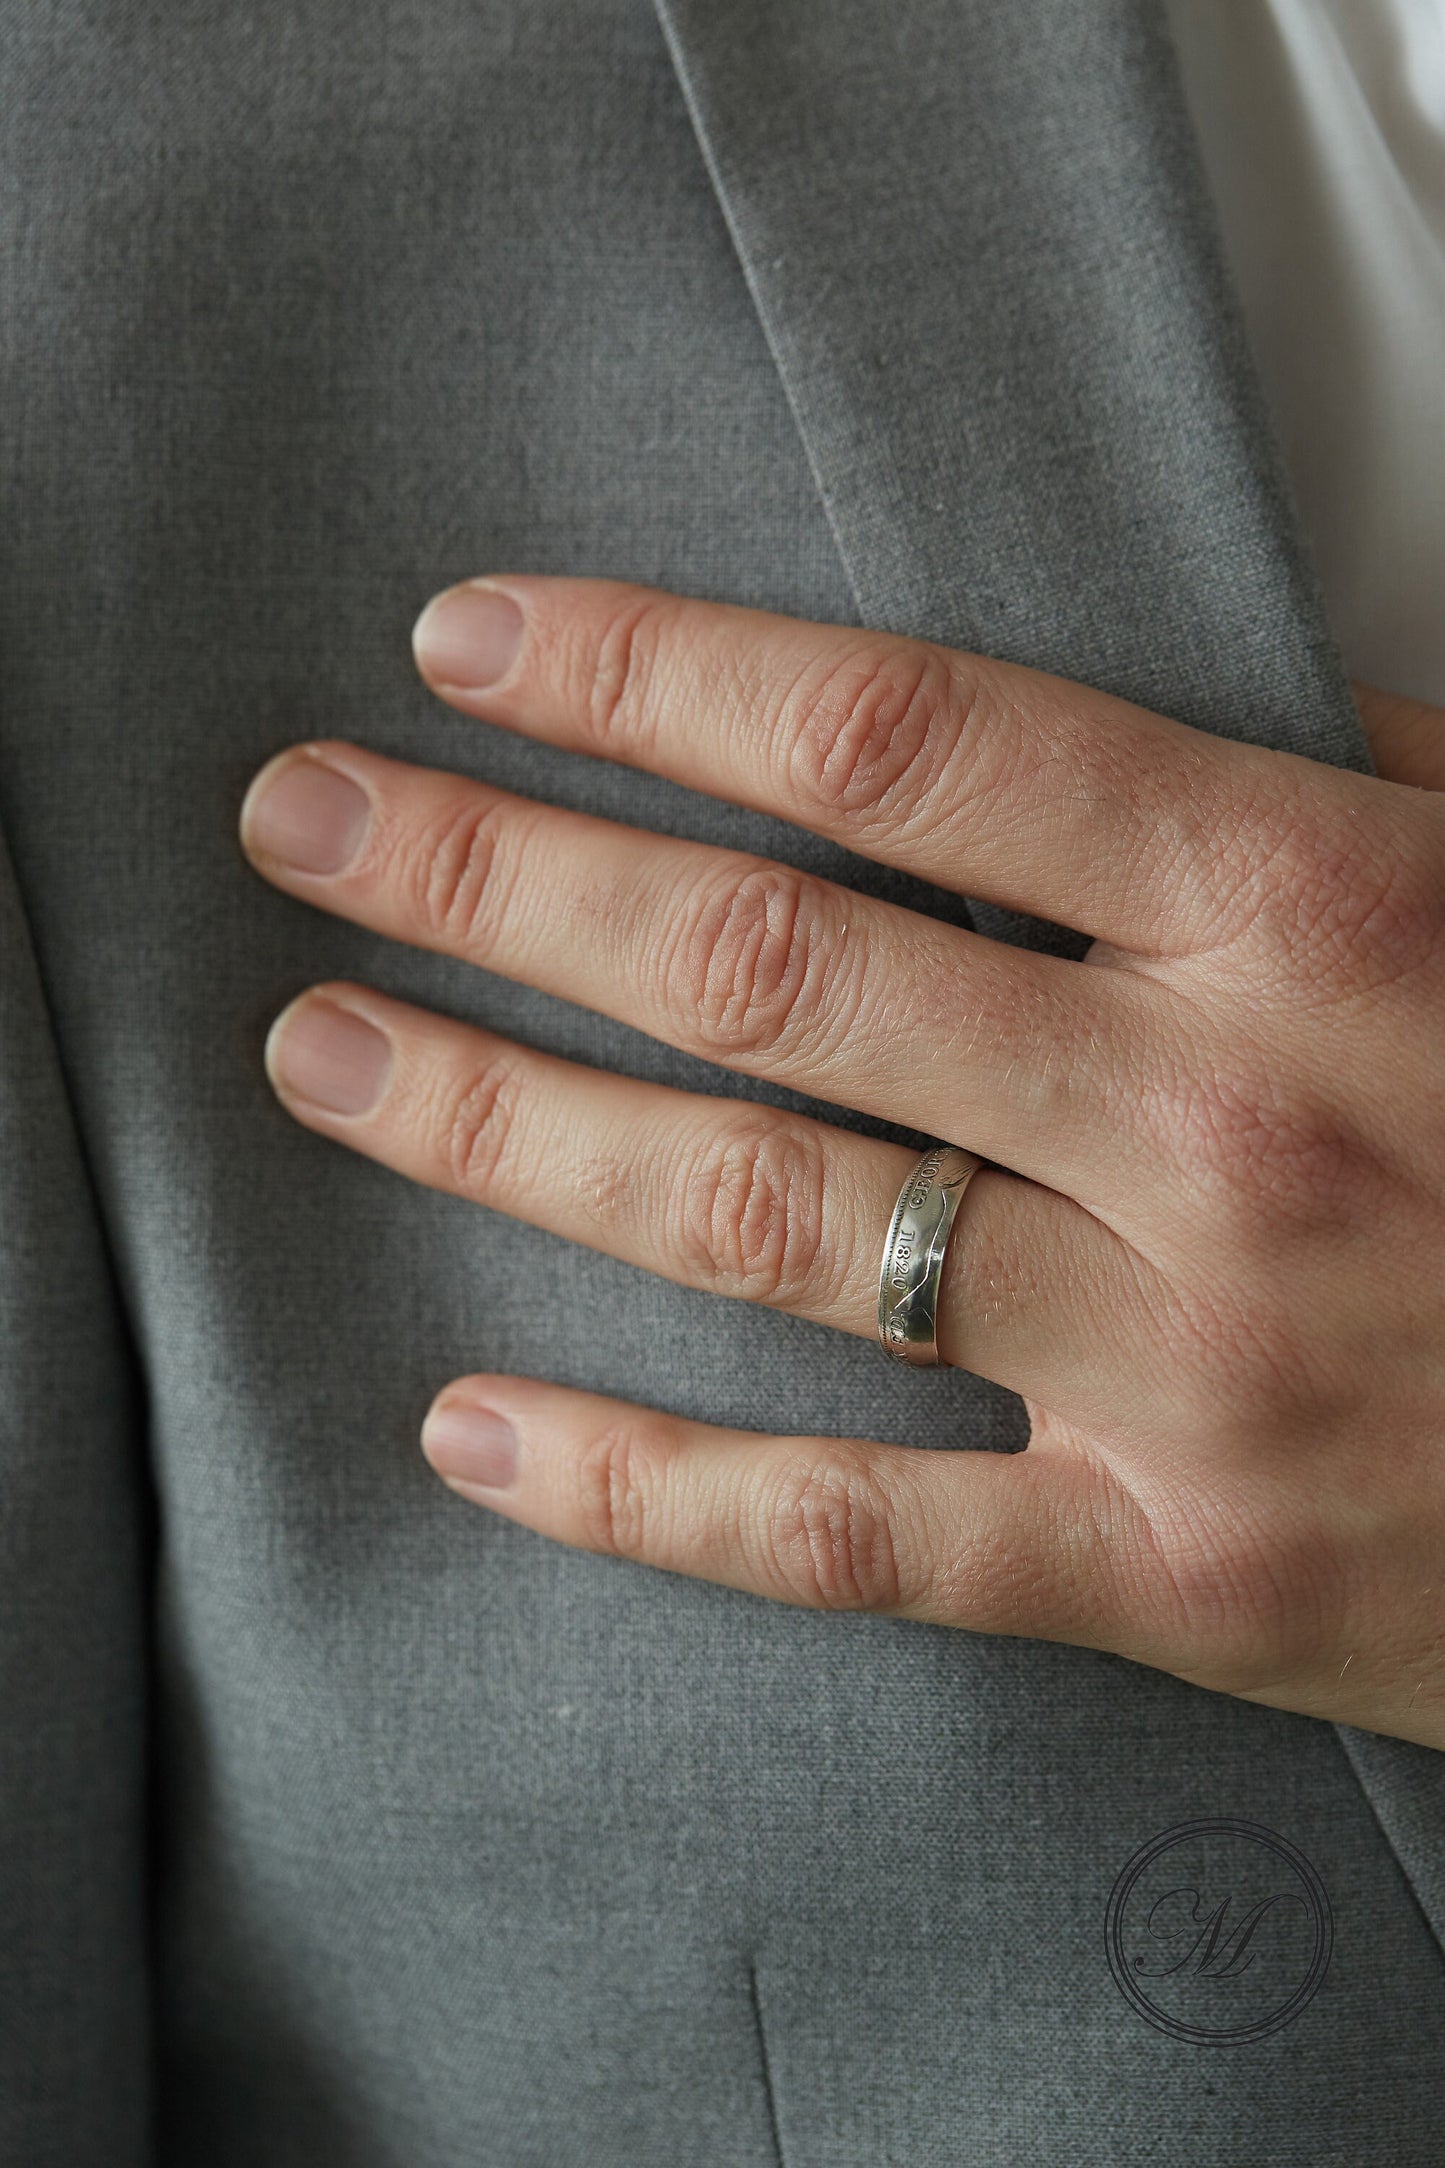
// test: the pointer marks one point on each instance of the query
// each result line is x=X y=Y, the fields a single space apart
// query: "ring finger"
x=721 y=1194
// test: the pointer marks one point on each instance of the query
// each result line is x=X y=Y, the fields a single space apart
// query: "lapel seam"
x=720 y=190
x=1412 y=1883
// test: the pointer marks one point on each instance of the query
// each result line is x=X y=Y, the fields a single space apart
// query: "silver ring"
x=913 y=1259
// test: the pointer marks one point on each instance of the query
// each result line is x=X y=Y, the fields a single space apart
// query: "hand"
x=1210 y=1254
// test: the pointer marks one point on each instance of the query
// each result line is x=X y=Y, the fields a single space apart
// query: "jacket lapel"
x=982 y=248
x=981 y=245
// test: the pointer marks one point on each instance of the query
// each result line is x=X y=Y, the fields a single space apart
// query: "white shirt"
x=1322 y=127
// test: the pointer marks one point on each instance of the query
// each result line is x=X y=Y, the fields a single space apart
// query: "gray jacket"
x=342 y=1823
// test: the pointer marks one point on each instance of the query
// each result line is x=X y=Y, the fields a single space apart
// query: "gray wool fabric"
x=341 y=1822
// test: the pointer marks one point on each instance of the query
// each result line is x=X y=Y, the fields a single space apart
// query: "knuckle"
x=1275 y=1355
x=613 y=1488
x=624 y=665
x=1358 y=906
x=478 y=1123
x=751 y=1212
x=607 y=1183
x=457 y=889
x=870 y=737
x=1266 y=1161
x=829 y=1537
x=755 y=961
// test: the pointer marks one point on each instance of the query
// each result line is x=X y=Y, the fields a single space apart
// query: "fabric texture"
x=468 y=1847
x=74 y=1547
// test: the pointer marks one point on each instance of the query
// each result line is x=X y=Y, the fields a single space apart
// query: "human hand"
x=1210 y=1255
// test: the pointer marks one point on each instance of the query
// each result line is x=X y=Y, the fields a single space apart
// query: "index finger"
x=980 y=776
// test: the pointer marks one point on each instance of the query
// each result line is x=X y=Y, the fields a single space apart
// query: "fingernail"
x=328 y=1055
x=468 y=1444
x=467 y=637
x=308 y=815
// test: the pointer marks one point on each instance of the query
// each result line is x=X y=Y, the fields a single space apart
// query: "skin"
x=1209 y=1252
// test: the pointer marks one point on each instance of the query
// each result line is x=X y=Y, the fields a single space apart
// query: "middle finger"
x=739 y=959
